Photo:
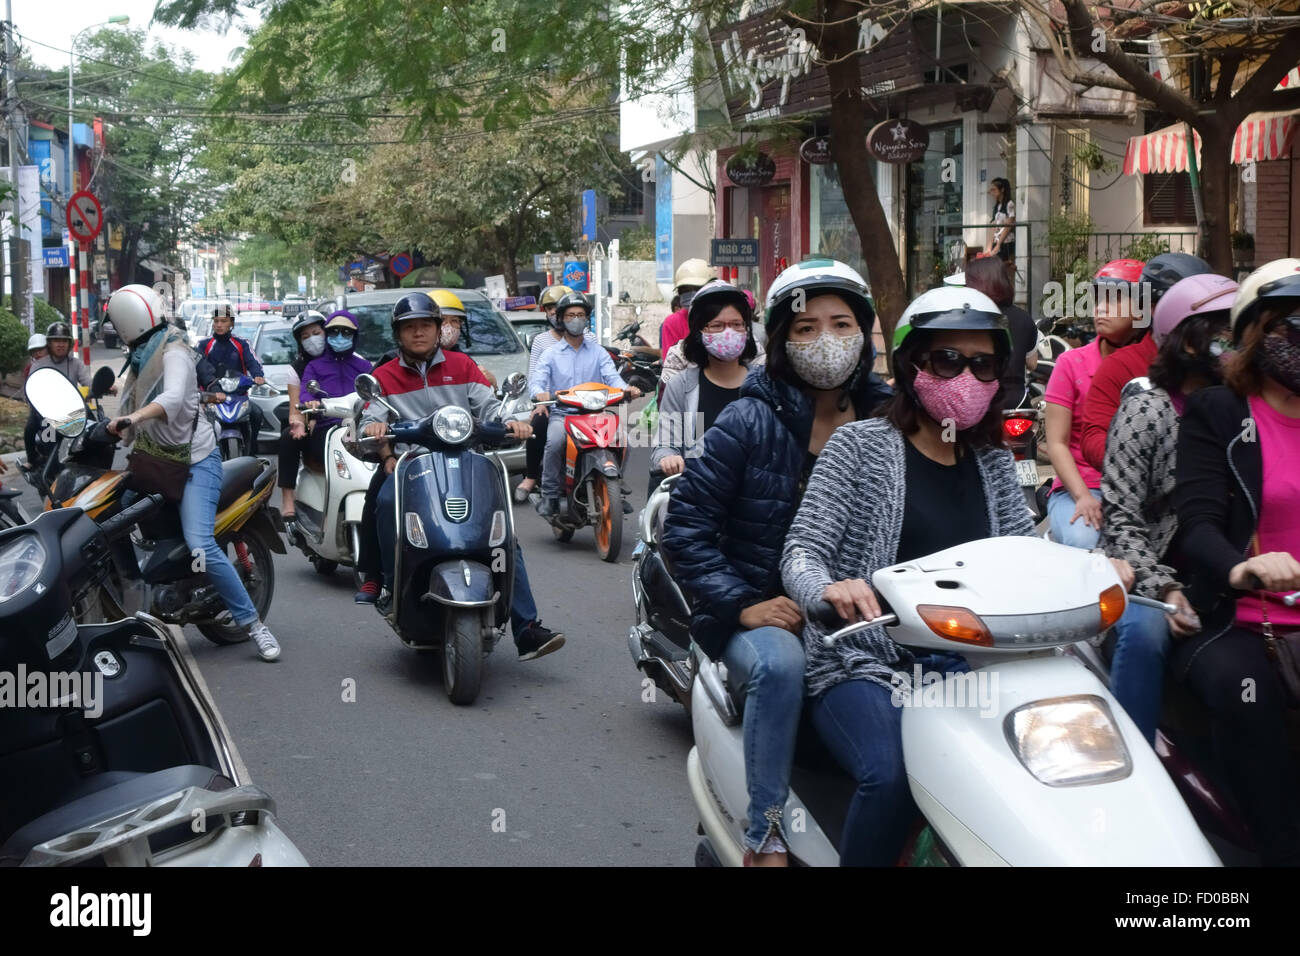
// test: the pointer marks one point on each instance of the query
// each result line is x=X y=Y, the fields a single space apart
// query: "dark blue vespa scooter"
x=455 y=564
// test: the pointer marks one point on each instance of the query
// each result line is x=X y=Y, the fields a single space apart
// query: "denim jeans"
x=553 y=457
x=198 y=518
x=862 y=727
x=523 y=609
x=1060 y=506
x=768 y=663
x=1137 y=669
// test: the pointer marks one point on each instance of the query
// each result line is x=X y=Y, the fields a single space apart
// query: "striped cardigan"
x=848 y=526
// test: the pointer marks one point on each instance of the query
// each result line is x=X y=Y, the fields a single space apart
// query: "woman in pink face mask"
x=930 y=473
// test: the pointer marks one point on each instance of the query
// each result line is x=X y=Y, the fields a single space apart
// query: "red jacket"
x=1102 y=402
x=451 y=378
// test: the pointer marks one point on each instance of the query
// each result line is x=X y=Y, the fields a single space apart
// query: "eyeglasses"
x=1289 y=325
x=949 y=363
x=716 y=326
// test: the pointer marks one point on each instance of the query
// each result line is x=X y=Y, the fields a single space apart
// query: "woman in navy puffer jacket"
x=727 y=518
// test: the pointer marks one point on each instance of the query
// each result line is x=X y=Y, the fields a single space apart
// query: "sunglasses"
x=949 y=363
x=1290 y=325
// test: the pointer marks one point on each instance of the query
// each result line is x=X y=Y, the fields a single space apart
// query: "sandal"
x=522 y=493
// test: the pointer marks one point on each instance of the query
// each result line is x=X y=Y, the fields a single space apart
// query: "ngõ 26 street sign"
x=733 y=252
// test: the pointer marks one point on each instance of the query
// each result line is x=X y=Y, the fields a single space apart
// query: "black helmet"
x=58 y=330
x=717 y=293
x=224 y=310
x=570 y=300
x=415 y=305
x=1164 y=270
x=305 y=318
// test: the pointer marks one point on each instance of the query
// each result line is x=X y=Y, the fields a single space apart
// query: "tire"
x=462 y=655
x=260 y=587
x=231 y=448
x=607 y=512
x=323 y=567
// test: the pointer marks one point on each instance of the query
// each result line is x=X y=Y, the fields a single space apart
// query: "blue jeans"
x=768 y=663
x=1137 y=669
x=862 y=727
x=553 y=456
x=198 y=519
x=1060 y=506
x=523 y=609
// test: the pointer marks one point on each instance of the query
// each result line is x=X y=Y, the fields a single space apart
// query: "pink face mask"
x=963 y=400
x=725 y=345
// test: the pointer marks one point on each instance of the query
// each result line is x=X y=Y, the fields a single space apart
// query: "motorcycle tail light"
x=415 y=530
x=1015 y=427
x=955 y=624
x=498 y=529
x=341 y=465
x=1112 y=603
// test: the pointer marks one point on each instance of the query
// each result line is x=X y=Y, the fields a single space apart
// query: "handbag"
x=159 y=469
x=1284 y=651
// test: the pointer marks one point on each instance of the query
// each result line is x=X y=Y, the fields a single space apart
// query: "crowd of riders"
x=1174 y=436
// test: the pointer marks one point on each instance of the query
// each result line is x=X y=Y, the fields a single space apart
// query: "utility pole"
x=17 y=245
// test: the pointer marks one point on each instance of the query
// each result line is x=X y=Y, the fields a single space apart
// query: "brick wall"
x=1272 y=211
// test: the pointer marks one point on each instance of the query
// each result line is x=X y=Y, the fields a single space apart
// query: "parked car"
x=489 y=340
x=527 y=324
x=275 y=347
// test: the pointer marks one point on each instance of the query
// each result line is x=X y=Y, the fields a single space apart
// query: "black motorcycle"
x=454 y=567
x=660 y=641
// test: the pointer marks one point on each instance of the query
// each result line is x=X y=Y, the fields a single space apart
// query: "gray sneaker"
x=268 y=648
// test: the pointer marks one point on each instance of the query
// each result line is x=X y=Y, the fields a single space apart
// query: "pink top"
x=674 y=329
x=1068 y=387
x=1279 y=512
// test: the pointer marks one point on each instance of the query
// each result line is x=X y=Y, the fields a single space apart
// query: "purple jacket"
x=334 y=373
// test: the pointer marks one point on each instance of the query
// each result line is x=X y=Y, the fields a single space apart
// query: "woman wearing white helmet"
x=159 y=409
x=1237 y=495
x=930 y=474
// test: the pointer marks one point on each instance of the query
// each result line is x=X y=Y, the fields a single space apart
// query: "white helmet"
x=814 y=276
x=957 y=278
x=1276 y=282
x=37 y=341
x=136 y=310
x=950 y=307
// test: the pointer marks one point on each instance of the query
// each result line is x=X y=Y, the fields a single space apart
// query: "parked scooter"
x=453 y=573
x=130 y=766
x=1020 y=430
x=331 y=494
x=157 y=573
x=231 y=418
x=1025 y=761
x=594 y=455
x=660 y=641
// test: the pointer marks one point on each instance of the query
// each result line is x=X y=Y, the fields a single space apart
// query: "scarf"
x=144 y=378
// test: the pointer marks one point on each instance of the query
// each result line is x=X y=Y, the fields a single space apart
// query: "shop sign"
x=816 y=151
x=898 y=141
x=751 y=170
x=733 y=252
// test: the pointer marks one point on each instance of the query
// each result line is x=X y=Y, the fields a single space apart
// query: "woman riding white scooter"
x=930 y=475
x=309 y=331
x=729 y=511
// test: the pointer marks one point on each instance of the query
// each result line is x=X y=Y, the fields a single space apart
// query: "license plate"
x=1027 y=473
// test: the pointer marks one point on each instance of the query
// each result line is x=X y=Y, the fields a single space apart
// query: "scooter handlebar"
x=823 y=613
x=130 y=516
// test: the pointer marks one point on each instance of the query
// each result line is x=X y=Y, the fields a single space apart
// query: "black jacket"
x=728 y=515
x=1220 y=483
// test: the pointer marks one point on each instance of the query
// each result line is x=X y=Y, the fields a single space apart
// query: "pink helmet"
x=1195 y=295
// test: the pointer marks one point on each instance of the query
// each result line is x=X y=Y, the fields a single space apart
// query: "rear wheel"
x=252 y=560
x=607 y=513
x=462 y=655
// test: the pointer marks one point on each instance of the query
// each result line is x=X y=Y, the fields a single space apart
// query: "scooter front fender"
x=986 y=806
x=353 y=505
x=461 y=583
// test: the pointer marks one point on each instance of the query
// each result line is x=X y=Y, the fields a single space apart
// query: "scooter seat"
x=238 y=476
x=123 y=792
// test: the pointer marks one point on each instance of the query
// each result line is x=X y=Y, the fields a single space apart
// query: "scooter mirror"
x=367 y=387
x=515 y=384
x=102 y=382
x=314 y=387
x=57 y=401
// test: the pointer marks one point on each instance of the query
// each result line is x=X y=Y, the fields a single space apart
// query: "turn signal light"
x=955 y=623
x=1015 y=427
x=1112 y=602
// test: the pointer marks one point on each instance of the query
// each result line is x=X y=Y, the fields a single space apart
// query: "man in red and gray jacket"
x=1133 y=360
x=420 y=380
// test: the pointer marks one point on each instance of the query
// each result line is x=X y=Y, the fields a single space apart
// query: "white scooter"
x=1026 y=761
x=329 y=500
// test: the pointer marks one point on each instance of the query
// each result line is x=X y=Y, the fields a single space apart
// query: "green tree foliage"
x=13 y=342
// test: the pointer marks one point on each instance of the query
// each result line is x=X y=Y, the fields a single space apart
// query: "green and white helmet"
x=951 y=308
x=811 y=277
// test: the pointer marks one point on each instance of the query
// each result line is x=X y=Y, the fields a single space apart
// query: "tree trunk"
x=848 y=133
x=1214 y=173
x=509 y=270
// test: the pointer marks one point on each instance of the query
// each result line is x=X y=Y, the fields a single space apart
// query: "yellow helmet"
x=553 y=294
x=448 y=302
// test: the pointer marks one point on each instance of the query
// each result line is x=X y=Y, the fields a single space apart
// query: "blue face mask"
x=339 y=341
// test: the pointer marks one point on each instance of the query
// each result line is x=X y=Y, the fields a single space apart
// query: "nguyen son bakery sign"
x=770 y=68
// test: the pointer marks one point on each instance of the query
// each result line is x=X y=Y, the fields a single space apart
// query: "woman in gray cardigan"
x=720 y=345
x=930 y=475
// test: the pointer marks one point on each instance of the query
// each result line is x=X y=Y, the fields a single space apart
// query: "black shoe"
x=547 y=507
x=536 y=641
x=627 y=508
x=384 y=603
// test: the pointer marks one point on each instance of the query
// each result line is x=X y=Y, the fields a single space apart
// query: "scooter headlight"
x=1068 y=741
x=229 y=383
x=452 y=424
x=592 y=400
x=21 y=562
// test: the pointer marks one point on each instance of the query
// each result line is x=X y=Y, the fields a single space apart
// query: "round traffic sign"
x=401 y=264
x=85 y=216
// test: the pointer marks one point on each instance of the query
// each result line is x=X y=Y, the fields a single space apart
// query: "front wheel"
x=607 y=514
x=252 y=560
x=462 y=654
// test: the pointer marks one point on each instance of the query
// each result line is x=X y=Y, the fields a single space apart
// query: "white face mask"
x=575 y=326
x=314 y=345
x=828 y=360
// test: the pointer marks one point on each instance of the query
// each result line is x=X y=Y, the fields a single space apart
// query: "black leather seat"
x=104 y=796
x=238 y=476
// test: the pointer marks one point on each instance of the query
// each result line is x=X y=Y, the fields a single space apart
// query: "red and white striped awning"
x=1261 y=137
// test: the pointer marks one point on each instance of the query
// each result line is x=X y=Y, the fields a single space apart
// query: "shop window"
x=632 y=201
x=1167 y=200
